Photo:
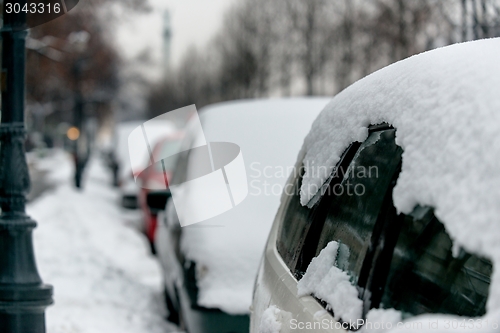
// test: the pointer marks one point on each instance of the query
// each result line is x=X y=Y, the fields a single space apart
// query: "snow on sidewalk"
x=104 y=278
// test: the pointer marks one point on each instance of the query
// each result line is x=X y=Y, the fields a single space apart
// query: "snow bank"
x=57 y=166
x=445 y=106
x=104 y=279
x=227 y=248
x=330 y=284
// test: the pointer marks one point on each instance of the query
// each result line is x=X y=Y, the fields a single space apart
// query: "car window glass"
x=355 y=204
x=297 y=218
x=424 y=276
x=294 y=225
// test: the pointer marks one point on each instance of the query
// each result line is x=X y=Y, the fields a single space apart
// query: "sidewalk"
x=104 y=278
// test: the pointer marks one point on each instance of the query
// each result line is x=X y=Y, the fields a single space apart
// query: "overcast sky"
x=193 y=22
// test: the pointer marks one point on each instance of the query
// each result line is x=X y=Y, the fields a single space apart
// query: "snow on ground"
x=57 y=164
x=104 y=278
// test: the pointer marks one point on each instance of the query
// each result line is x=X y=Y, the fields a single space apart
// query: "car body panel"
x=196 y=319
x=166 y=243
x=276 y=285
x=203 y=320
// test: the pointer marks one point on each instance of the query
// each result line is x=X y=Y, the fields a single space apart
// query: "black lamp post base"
x=28 y=295
x=22 y=308
x=23 y=296
x=18 y=321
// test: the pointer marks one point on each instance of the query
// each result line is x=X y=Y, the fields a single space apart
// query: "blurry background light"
x=73 y=133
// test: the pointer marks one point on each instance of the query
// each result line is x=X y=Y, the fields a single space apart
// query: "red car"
x=154 y=183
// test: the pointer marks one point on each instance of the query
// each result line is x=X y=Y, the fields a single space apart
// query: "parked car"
x=120 y=163
x=394 y=220
x=154 y=183
x=210 y=267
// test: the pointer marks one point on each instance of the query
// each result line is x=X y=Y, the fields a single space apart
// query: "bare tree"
x=312 y=25
x=291 y=47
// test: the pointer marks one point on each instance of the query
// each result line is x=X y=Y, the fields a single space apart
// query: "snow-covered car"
x=393 y=223
x=154 y=184
x=210 y=267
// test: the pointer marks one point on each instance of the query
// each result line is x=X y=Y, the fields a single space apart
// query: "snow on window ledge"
x=332 y=285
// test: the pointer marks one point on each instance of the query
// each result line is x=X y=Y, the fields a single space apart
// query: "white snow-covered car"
x=210 y=267
x=393 y=225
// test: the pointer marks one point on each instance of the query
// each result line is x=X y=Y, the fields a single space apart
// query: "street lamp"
x=23 y=296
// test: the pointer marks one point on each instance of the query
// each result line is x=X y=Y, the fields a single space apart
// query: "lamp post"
x=23 y=296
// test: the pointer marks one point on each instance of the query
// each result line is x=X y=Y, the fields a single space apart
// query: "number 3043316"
x=33 y=8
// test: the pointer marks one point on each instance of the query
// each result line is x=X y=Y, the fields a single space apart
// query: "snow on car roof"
x=445 y=106
x=228 y=247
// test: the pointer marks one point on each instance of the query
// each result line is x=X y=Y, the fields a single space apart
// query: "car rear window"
x=396 y=261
